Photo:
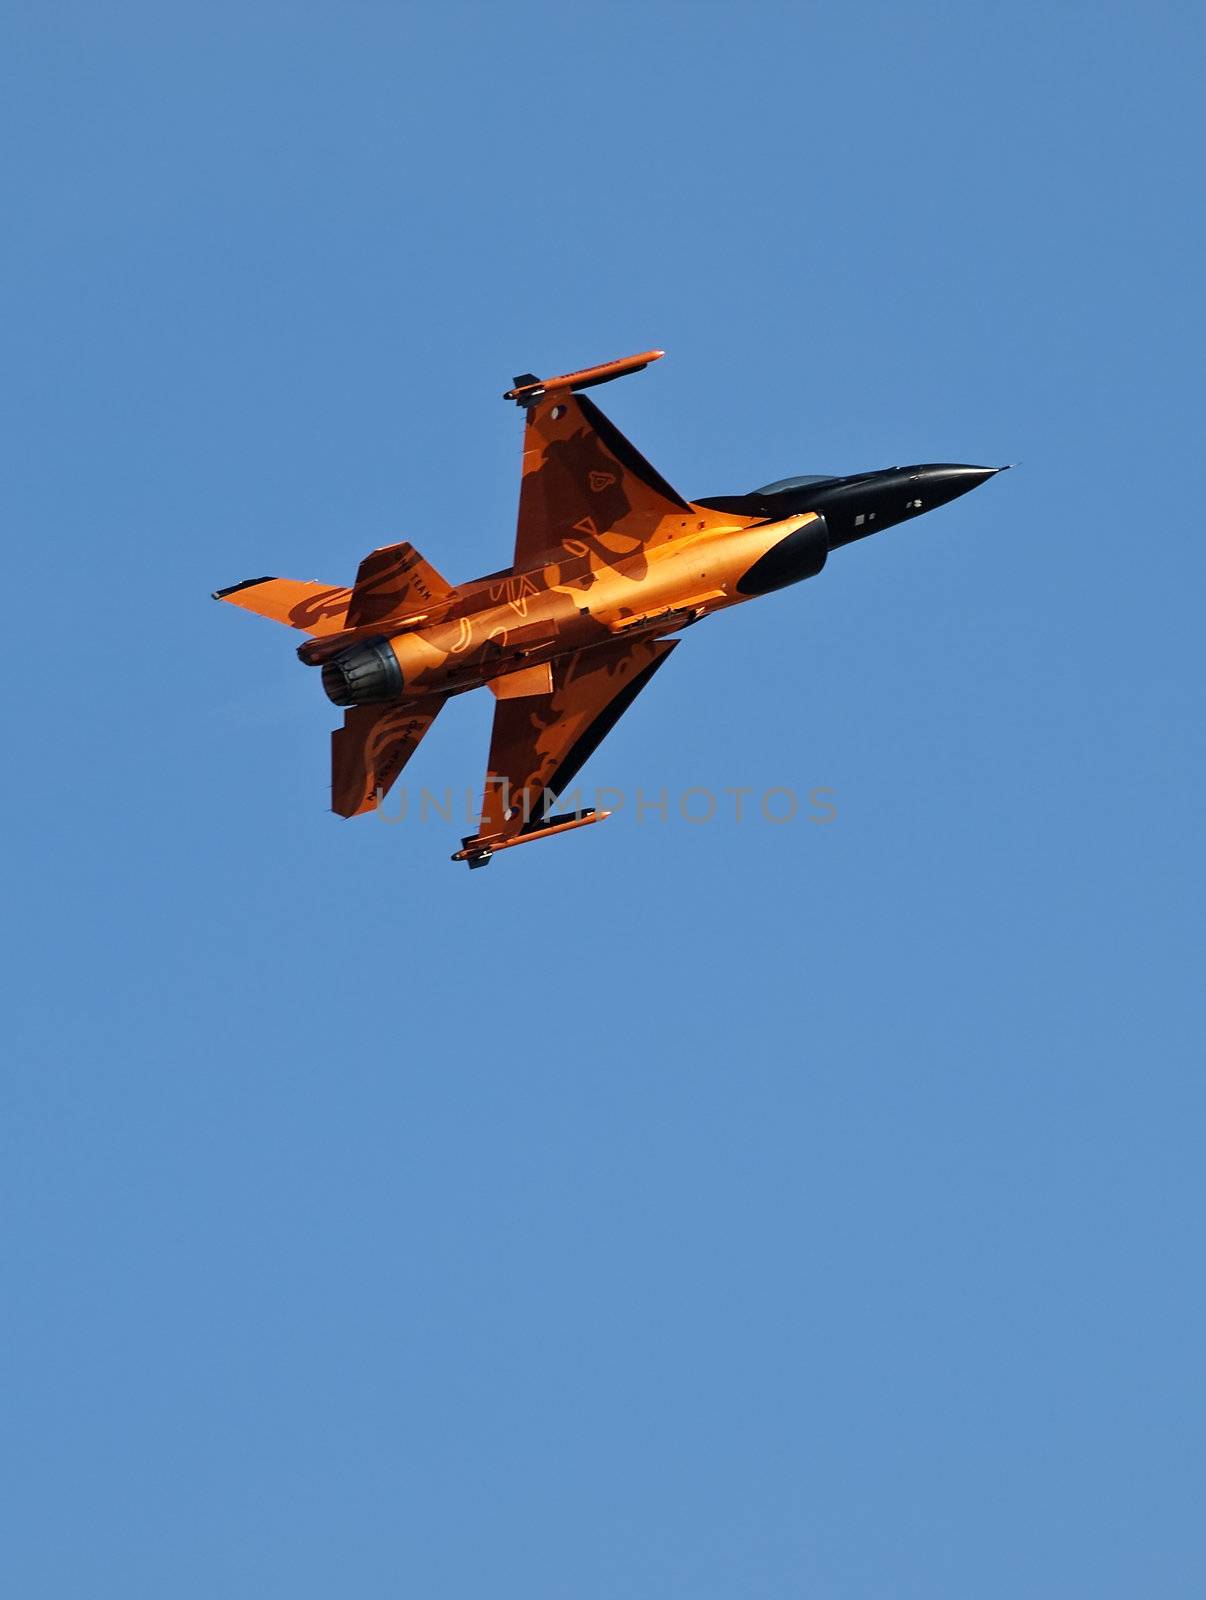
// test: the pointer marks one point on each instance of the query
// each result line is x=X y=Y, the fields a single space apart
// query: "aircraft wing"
x=540 y=741
x=584 y=486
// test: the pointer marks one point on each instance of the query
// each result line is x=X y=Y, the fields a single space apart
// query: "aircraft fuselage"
x=722 y=552
x=609 y=562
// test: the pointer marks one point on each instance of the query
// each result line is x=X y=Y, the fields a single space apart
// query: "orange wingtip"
x=528 y=386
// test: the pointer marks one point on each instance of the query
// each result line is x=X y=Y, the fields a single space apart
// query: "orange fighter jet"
x=609 y=562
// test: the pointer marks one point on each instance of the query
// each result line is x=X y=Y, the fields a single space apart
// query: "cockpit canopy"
x=806 y=481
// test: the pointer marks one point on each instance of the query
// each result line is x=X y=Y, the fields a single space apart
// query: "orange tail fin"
x=394 y=582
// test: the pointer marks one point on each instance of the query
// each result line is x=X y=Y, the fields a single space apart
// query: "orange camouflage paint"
x=609 y=561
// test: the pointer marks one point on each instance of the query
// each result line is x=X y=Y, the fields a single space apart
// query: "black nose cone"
x=946 y=482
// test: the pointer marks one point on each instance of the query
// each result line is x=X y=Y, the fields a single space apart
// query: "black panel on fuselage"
x=853 y=506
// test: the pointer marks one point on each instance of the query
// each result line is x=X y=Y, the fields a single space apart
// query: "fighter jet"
x=610 y=562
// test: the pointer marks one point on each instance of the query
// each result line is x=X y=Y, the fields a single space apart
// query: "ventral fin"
x=528 y=680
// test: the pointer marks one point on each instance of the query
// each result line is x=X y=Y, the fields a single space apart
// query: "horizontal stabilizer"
x=373 y=746
x=315 y=608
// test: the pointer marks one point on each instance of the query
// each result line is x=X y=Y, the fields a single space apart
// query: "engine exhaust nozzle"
x=363 y=675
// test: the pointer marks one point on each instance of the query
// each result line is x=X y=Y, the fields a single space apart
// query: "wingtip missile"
x=528 y=387
x=480 y=852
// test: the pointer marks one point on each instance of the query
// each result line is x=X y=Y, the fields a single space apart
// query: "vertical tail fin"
x=394 y=581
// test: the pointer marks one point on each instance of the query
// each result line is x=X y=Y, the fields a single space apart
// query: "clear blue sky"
x=669 y=1210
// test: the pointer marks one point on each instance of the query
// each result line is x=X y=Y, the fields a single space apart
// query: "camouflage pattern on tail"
x=372 y=747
